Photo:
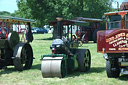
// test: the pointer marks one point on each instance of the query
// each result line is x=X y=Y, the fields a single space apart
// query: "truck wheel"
x=23 y=56
x=95 y=35
x=84 y=60
x=112 y=70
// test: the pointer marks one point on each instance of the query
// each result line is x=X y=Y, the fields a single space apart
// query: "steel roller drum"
x=13 y=39
x=52 y=67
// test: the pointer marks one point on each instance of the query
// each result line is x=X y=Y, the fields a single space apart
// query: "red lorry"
x=113 y=42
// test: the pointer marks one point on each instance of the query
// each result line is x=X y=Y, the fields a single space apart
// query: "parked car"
x=33 y=30
x=39 y=30
x=45 y=30
x=50 y=30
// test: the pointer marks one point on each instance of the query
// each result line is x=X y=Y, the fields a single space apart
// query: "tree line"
x=43 y=11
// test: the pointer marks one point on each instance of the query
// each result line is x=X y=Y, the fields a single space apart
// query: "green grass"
x=41 y=45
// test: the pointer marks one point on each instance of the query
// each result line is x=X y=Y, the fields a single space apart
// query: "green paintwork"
x=70 y=61
x=4 y=43
x=74 y=45
x=53 y=55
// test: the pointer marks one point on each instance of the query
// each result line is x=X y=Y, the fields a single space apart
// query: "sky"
x=8 y=5
x=11 y=6
x=114 y=4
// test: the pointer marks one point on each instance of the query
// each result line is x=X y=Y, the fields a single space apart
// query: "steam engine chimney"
x=124 y=5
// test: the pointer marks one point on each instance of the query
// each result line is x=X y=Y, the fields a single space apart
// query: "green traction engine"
x=66 y=56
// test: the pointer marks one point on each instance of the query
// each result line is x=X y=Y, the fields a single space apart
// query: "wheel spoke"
x=86 y=65
x=24 y=56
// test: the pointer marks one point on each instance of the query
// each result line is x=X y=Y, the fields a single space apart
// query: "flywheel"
x=13 y=39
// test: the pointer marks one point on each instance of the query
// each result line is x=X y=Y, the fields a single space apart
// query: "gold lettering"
x=110 y=39
x=122 y=48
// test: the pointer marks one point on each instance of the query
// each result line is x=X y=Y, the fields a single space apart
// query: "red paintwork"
x=114 y=41
x=122 y=13
x=100 y=40
x=124 y=6
x=8 y=24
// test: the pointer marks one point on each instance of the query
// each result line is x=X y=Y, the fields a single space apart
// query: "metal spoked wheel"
x=84 y=60
x=26 y=57
x=87 y=60
x=23 y=56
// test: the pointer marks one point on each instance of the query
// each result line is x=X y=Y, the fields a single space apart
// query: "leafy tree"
x=44 y=11
x=5 y=13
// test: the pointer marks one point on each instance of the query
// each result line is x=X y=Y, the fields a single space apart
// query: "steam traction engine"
x=65 y=55
x=113 y=42
x=88 y=33
x=13 y=49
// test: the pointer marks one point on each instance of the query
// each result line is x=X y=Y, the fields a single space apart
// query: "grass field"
x=96 y=75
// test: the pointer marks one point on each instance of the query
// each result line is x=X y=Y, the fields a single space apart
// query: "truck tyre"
x=95 y=35
x=112 y=70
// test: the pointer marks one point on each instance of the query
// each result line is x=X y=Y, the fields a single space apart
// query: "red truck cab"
x=113 y=42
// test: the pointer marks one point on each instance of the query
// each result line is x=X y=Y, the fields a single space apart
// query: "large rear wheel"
x=23 y=56
x=87 y=60
x=84 y=60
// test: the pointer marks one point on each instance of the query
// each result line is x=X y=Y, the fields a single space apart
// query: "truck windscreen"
x=114 y=22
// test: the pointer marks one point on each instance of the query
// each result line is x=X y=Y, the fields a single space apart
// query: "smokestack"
x=124 y=5
x=59 y=27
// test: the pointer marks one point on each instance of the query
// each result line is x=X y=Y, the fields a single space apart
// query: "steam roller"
x=65 y=57
x=53 y=67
